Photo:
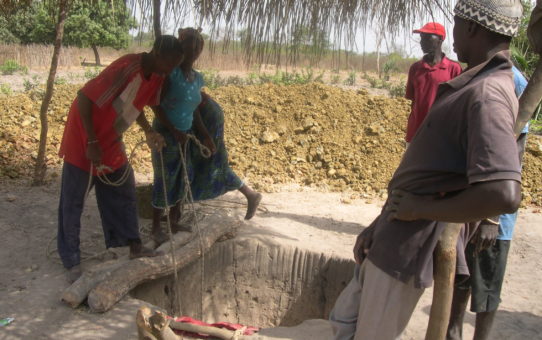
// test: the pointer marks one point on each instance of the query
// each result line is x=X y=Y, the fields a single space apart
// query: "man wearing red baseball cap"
x=425 y=75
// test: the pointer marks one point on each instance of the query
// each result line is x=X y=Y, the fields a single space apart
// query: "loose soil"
x=312 y=135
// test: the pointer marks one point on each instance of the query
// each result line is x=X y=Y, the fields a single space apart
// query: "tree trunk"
x=156 y=18
x=108 y=292
x=530 y=99
x=445 y=262
x=75 y=294
x=96 y=55
x=41 y=167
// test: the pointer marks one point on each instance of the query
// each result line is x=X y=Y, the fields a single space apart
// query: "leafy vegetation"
x=213 y=79
x=90 y=24
x=11 y=67
x=524 y=57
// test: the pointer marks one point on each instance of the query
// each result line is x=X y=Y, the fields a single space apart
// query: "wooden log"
x=75 y=294
x=445 y=263
x=135 y=272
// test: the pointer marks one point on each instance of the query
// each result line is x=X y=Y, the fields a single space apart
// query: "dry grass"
x=38 y=57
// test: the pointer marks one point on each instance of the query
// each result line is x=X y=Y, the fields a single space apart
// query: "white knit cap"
x=501 y=16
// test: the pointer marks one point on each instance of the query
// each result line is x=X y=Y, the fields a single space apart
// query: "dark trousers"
x=117 y=206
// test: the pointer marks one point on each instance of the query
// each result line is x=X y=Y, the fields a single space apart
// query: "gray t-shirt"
x=466 y=138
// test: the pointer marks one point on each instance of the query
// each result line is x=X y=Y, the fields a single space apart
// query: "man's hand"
x=402 y=205
x=155 y=141
x=363 y=244
x=94 y=153
x=208 y=142
x=485 y=236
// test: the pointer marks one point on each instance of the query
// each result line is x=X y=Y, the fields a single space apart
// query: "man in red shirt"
x=425 y=75
x=92 y=145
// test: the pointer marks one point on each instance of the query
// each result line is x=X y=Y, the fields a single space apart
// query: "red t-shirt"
x=422 y=84
x=118 y=94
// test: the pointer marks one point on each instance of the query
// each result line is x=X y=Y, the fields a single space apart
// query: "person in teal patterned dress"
x=181 y=112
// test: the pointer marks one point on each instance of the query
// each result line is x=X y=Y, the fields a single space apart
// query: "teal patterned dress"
x=209 y=177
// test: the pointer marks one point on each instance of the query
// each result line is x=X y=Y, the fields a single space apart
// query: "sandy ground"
x=32 y=278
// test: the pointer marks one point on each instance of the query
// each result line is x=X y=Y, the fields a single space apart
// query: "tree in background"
x=522 y=52
x=523 y=55
x=99 y=24
x=93 y=24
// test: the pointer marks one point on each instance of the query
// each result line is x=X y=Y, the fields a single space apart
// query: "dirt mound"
x=313 y=135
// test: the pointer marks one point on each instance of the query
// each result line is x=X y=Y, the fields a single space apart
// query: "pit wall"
x=254 y=283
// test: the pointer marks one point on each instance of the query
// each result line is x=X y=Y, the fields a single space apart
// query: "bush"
x=351 y=79
x=335 y=79
x=397 y=90
x=92 y=73
x=5 y=89
x=30 y=85
x=11 y=66
x=60 y=81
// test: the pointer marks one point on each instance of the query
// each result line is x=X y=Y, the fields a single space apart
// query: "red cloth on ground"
x=226 y=325
x=120 y=90
x=422 y=84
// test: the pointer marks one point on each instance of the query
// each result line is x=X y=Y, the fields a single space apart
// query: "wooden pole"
x=445 y=263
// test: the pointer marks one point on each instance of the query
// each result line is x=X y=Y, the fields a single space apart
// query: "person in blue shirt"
x=486 y=255
x=184 y=109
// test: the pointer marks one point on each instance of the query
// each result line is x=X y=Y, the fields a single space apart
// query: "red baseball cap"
x=432 y=28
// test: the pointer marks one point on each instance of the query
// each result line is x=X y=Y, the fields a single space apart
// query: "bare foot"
x=253 y=203
x=140 y=250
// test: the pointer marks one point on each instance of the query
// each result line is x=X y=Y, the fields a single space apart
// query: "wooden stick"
x=75 y=294
x=125 y=278
x=445 y=263
x=220 y=333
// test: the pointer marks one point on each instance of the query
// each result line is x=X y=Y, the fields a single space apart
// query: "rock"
x=269 y=136
x=535 y=148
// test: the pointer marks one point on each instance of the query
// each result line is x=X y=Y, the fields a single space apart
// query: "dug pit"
x=253 y=282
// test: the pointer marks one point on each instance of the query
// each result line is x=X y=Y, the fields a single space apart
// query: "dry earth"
x=32 y=281
x=337 y=147
x=313 y=135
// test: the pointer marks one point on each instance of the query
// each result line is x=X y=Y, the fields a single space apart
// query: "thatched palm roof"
x=270 y=24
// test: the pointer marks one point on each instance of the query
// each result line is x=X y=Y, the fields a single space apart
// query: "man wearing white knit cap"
x=459 y=168
x=487 y=252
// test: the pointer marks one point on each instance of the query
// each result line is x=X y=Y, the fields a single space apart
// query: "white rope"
x=170 y=234
x=187 y=196
x=100 y=173
x=102 y=169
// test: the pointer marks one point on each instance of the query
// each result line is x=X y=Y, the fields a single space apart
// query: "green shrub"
x=351 y=79
x=335 y=79
x=5 y=89
x=60 y=81
x=30 y=85
x=91 y=73
x=11 y=66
